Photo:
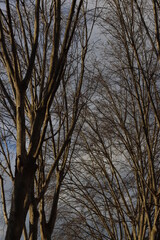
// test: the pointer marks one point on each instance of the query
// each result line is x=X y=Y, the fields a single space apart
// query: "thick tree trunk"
x=20 y=202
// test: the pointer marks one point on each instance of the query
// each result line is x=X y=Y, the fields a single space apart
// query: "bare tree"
x=43 y=50
x=115 y=192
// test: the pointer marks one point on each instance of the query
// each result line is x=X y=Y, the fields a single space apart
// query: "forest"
x=79 y=119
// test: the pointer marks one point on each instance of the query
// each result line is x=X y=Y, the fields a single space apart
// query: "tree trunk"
x=20 y=202
x=33 y=216
x=46 y=228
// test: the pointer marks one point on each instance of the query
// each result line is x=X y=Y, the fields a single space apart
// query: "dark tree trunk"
x=33 y=215
x=20 y=202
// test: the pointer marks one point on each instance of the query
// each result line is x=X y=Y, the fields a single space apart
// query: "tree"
x=116 y=187
x=41 y=82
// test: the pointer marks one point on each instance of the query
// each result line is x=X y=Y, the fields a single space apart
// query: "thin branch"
x=3 y=201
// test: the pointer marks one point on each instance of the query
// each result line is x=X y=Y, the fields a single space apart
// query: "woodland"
x=80 y=119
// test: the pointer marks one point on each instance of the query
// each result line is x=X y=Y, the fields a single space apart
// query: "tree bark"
x=33 y=216
x=20 y=202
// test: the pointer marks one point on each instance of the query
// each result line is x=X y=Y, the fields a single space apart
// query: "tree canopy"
x=79 y=119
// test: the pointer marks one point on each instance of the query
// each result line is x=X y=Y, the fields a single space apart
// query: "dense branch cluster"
x=80 y=119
